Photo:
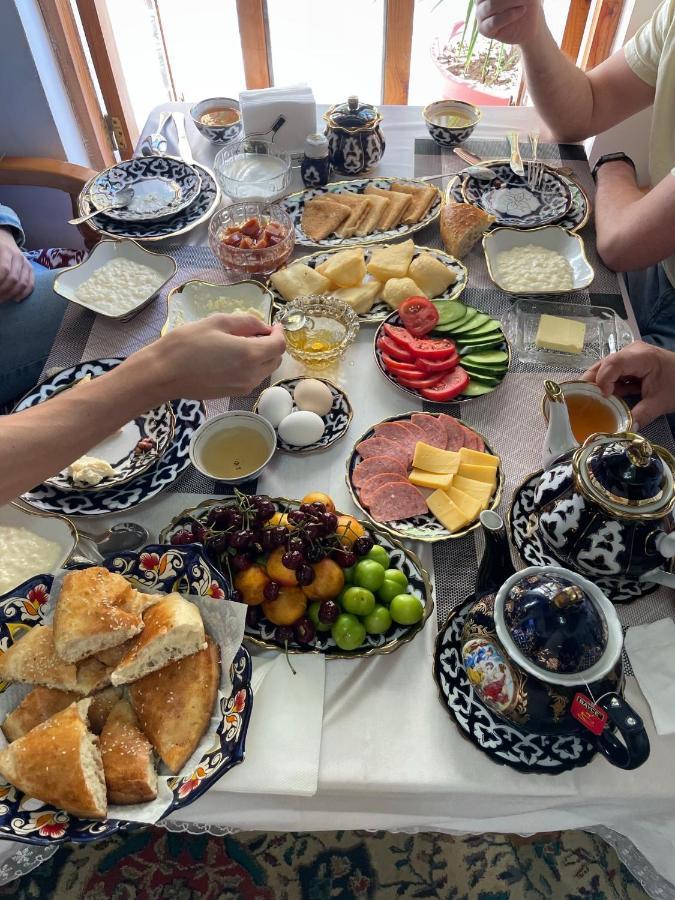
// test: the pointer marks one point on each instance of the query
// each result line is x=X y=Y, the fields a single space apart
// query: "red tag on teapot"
x=591 y=716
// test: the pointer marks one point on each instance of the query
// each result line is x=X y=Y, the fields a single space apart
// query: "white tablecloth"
x=391 y=758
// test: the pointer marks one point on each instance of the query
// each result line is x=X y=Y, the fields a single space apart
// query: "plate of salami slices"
x=424 y=476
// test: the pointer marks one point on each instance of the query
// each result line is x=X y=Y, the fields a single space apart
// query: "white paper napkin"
x=283 y=745
x=260 y=109
x=651 y=649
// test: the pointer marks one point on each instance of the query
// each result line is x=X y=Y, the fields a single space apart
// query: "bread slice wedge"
x=102 y=704
x=127 y=756
x=59 y=762
x=38 y=706
x=96 y=609
x=462 y=226
x=174 y=706
x=33 y=660
x=173 y=629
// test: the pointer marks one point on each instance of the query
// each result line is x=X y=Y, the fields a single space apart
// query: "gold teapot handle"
x=554 y=392
x=639 y=451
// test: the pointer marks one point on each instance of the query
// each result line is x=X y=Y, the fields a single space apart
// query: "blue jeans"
x=27 y=332
x=652 y=297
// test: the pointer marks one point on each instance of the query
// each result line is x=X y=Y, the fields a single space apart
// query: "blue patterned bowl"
x=217 y=134
x=451 y=122
x=161 y=568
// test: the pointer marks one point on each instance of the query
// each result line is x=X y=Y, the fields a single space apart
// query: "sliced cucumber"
x=481 y=341
x=492 y=372
x=484 y=379
x=450 y=311
x=476 y=389
x=487 y=327
x=491 y=357
x=446 y=328
x=467 y=349
x=477 y=321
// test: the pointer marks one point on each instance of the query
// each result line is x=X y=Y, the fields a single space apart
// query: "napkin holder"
x=282 y=115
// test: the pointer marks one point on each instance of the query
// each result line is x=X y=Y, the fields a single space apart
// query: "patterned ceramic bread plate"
x=199 y=210
x=188 y=416
x=424 y=528
x=337 y=421
x=166 y=185
x=380 y=310
x=295 y=204
x=394 y=319
x=262 y=632
x=524 y=536
x=156 y=568
x=514 y=202
x=196 y=299
x=496 y=737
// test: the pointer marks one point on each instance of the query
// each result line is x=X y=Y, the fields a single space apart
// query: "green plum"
x=348 y=632
x=389 y=590
x=397 y=575
x=358 y=601
x=313 y=613
x=380 y=555
x=369 y=574
x=406 y=609
x=378 y=621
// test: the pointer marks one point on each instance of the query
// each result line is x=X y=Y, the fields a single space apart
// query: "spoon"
x=156 y=144
x=480 y=172
x=119 y=199
x=121 y=537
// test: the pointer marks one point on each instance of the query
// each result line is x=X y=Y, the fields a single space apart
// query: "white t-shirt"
x=651 y=55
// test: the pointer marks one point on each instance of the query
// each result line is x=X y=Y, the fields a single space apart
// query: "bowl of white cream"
x=117 y=280
x=196 y=299
x=32 y=543
x=539 y=261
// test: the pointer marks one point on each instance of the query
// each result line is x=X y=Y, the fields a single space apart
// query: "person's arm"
x=573 y=104
x=217 y=357
x=639 y=368
x=634 y=229
x=16 y=274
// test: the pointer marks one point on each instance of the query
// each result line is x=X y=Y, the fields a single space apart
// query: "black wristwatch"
x=612 y=157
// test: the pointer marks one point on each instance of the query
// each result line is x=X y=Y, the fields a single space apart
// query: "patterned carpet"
x=345 y=865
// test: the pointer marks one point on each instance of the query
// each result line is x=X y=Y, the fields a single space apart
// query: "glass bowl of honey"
x=233 y=447
x=318 y=329
x=590 y=411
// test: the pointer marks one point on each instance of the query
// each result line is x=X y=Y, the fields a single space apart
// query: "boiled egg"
x=275 y=404
x=301 y=429
x=314 y=396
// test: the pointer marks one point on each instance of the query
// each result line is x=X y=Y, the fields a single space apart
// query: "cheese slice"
x=478 y=489
x=478 y=458
x=432 y=459
x=559 y=333
x=470 y=506
x=486 y=474
x=447 y=512
x=430 y=479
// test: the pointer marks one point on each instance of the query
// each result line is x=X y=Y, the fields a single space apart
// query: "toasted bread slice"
x=174 y=706
x=38 y=706
x=59 y=762
x=127 y=756
x=322 y=216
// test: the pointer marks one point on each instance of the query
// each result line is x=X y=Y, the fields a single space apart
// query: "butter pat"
x=558 y=333
x=90 y=470
x=430 y=479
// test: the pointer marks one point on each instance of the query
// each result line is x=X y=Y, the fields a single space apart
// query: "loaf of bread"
x=461 y=226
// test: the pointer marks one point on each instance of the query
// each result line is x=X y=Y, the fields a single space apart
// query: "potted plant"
x=476 y=69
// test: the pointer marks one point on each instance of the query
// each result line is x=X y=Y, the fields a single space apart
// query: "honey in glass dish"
x=589 y=414
x=220 y=116
x=234 y=452
x=319 y=335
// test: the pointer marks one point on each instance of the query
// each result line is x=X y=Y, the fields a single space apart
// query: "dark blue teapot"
x=355 y=140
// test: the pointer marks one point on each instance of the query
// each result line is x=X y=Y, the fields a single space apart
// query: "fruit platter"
x=424 y=476
x=442 y=351
x=314 y=580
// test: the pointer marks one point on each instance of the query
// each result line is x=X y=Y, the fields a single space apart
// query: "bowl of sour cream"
x=32 y=543
x=117 y=280
x=547 y=260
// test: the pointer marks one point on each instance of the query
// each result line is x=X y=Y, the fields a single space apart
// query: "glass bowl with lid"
x=253 y=169
x=257 y=255
x=318 y=328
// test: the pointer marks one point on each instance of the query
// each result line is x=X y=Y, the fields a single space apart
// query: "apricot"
x=277 y=571
x=318 y=497
x=329 y=579
x=349 y=529
x=251 y=582
x=289 y=606
x=281 y=519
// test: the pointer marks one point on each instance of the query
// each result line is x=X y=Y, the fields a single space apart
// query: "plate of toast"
x=117 y=709
x=362 y=211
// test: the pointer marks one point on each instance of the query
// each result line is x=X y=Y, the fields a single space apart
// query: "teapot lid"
x=626 y=475
x=554 y=622
x=353 y=115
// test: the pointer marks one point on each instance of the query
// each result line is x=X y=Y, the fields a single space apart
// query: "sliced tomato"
x=427 y=348
x=421 y=382
x=433 y=366
x=400 y=368
x=391 y=348
x=419 y=315
x=448 y=388
x=398 y=335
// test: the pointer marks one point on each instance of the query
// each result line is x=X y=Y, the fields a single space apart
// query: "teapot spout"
x=559 y=437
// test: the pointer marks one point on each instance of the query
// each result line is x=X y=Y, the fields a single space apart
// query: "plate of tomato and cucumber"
x=443 y=351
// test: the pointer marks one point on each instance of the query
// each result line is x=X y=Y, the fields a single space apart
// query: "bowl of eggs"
x=308 y=414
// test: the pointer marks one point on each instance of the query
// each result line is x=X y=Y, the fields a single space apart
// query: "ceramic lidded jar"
x=354 y=136
x=545 y=636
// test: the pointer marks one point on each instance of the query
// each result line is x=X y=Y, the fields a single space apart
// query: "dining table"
x=367 y=743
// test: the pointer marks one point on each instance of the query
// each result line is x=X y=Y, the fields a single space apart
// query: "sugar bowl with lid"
x=544 y=653
x=355 y=140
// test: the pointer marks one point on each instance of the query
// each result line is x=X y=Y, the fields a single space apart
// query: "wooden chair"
x=39 y=171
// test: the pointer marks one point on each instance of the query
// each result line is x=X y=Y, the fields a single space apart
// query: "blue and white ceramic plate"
x=525 y=538
x=513 y=202
x=162 y=187
x=380 y=310
x=199 y=210
x=501 y=741
x=295 y=204
x=159 y=568
x=424 y=528
x=189 y=415
x=336 y=421
x=262 y=631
